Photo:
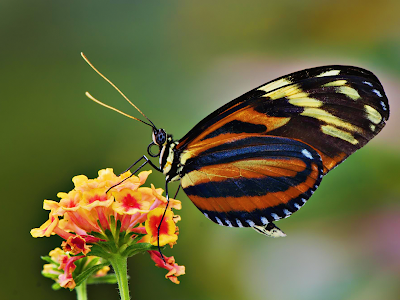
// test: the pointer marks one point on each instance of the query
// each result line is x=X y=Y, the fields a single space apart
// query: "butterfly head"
x=160 y=139
x=159 y=136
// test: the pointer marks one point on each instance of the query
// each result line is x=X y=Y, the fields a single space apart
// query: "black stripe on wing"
x=368 y=83
x=261 y=196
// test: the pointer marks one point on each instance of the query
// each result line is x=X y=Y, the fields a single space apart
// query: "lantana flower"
x=62 y=267
x=112 y=223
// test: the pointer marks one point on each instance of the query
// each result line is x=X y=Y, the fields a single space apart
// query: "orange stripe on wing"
x=330 y=162
x=246 y=114
x=249 y=204
x=250 y=168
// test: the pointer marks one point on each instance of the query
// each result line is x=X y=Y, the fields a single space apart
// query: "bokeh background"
x=179 y=61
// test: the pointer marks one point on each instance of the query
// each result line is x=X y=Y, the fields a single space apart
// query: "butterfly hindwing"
x=253 y=180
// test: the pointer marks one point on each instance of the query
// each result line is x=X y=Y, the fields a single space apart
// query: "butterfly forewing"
x=334 y=109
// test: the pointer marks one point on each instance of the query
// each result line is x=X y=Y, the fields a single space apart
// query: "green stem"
x=81 y=291
x=119 y=264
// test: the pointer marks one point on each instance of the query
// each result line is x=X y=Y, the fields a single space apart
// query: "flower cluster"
x=61 y=266
x=92 y=218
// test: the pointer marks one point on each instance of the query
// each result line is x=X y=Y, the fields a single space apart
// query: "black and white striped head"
x=159 y=136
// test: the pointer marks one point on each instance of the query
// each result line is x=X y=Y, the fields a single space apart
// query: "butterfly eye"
x=159 y=137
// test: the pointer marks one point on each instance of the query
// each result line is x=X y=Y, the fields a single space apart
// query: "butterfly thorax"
x=170 y=163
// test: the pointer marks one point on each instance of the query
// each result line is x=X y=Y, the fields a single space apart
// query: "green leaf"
x=118 y=228
x=80 y=265
x=88 y=272
x=56 y=286
x=102 y=249
x=138 y=238
x=49 y=260
x=98 y=235
x=122 y=238
x=138 y=248
x=50 y=275
x=109 y=279
x=109 y=235
x=92 y=262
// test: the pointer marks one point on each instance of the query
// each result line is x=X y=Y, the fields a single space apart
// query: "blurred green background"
x=178 y=61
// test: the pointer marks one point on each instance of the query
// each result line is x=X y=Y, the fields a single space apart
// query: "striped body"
x=260 y=157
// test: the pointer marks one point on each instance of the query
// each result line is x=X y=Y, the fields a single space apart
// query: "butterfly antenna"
x=119 y=91
x=114 y=109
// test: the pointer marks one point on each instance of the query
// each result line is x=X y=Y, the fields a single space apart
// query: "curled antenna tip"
x=87 y=94
x=85 y=58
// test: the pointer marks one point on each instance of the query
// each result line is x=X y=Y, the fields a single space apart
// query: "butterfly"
x=260 y=157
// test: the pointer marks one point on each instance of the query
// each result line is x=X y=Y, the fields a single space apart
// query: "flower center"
x=130 y=201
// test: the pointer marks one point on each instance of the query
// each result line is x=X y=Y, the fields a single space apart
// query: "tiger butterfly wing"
x=252 y=181
x=334 y=109
x=323 y=113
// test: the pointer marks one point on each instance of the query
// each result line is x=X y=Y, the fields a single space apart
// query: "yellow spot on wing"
x=349 y=92
x=295 y=95
x=325 y=116
x=305 y=102
x=372 y=114
x=299 y=94
x=329 y=73
x=335 y=83
x=287 y=91
x=335 y=132
x=275 y=85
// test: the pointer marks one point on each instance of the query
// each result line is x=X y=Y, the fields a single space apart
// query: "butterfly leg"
x=147 y=161
x=162 y=218
x=269 y=230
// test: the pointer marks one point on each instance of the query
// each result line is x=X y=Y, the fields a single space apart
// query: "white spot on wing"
x=303 y=200
x=228 y=222
x=307 y=153
x=206 y=215
x=275 y=216
x=250 y=222
x=219 y=221
x=377 y=92
x=383 y=105
x=287 y=212
x=264 y=220
x=239 y=223
x=367 y=83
